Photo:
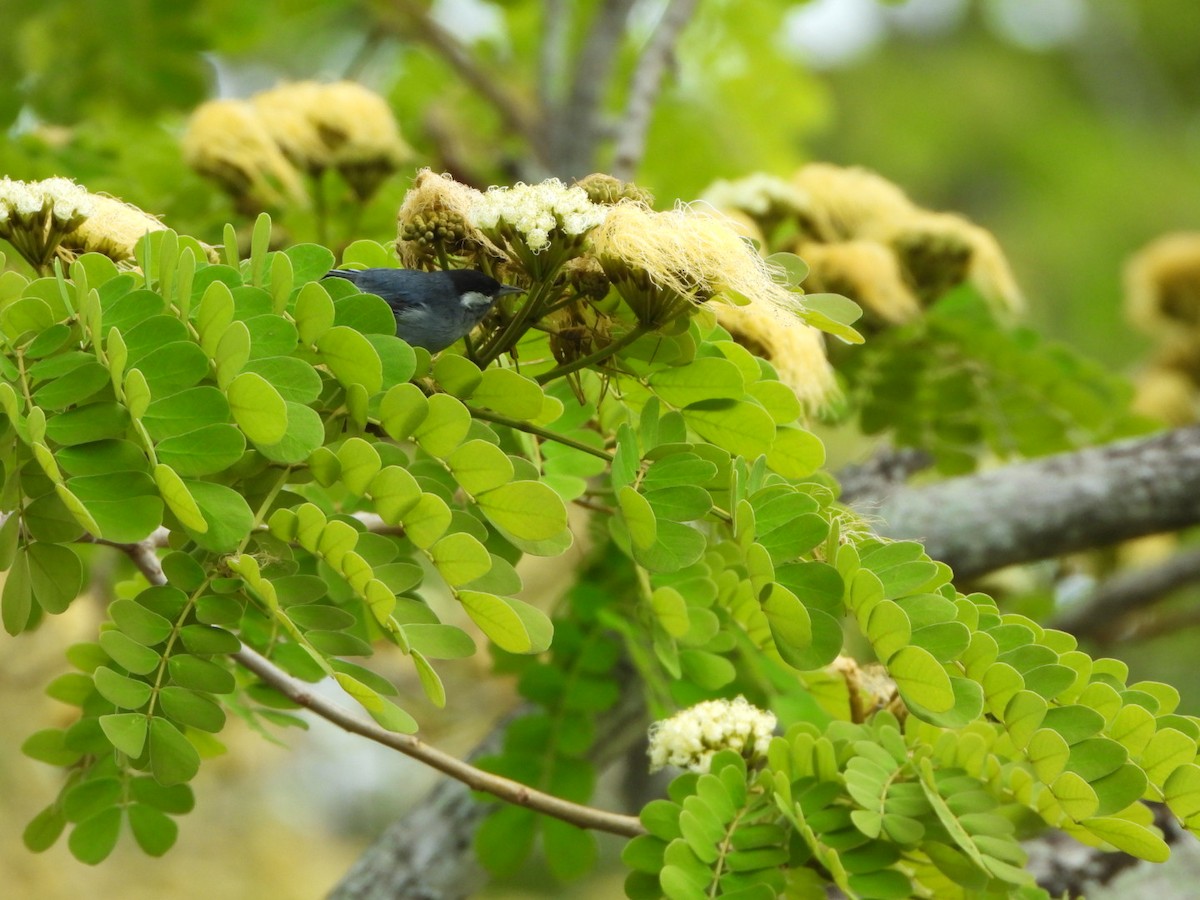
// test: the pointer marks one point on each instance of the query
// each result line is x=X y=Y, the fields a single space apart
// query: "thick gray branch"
x=1060 y=504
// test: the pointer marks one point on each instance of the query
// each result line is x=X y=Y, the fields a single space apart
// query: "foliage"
x=309 y=465
x=982 y=386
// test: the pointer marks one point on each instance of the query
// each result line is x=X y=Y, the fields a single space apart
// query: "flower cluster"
x=690 y=254
x=536 y=214
x=758 y=195
x=690 y=739
x=254 y=148
x=863 y=237
x=36 y=215
x=114 y=229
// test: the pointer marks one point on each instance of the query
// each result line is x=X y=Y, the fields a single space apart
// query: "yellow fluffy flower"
x=1162 y=285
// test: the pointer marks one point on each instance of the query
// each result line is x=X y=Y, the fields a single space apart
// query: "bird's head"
x=477 y=291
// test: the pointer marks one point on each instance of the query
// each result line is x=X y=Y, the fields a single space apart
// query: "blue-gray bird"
x=433 y=309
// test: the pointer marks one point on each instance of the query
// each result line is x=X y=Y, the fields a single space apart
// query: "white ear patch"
x=474 y=300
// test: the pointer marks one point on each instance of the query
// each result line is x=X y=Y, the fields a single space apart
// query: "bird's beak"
x=507 y=289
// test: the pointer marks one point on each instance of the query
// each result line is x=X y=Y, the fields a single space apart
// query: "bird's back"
x=399 y=287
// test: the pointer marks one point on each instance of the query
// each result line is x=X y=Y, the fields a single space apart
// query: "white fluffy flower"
x=68 y=200
x=20 y=198
x=757 y=194
x=537 y=211
x=690 y=739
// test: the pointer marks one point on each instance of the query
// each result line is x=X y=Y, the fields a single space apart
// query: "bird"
x=433 y=309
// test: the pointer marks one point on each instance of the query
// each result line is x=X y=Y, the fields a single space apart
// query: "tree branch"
x=512 y=111
x=645 y=86
x=503 y=788
x=576 y=125
x=1048 y=507
x=1101 y=615
x=144 y=557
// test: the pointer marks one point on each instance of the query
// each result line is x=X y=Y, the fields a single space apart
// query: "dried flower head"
x=866 y=272
x=692 y=737
x=114 y=229
x=1167 y=395
x=360 y=131
x=762 y=196
x=608 y=190
x=843 y=202
x=797 y=352
x=534 y=216
x=690 y=252
x=434 y=216
x=227 y=141
x=1162 y=285
x=870 y=687
x=286 y=113
x=939 y=251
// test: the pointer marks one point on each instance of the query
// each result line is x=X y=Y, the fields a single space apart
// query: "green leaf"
x=707 y=378
x=460 y=558
x=403 y=408
x=128 y=653
x=497 y=618
x=178 y=499
x=919 y=676
x=440 y=641
x=173 y=759
x=639 y=518
x=351 y=358
x=44 y=830
x=192 y=709
x=258 y=408
x=124 y=506
x=295 y=379
x=360 y=463
x=16 y=602
x=314 y=312
x=570 y=851
x=154 y=831
x=198 y=674
x=136 y=621
x=173 y=367
x=225 y=510
x=509 y=393
x=1134 y=839
x=479 y=466
x=427 y=520
x=50 y=746
x=524 y=511
x=85 y=424
x=55 y=575
x=305 y=433
x=744 y=429
x=92 y=840
x=126 y=731
x=205 y=451
x=185 y=412
x=121 y=690
x=444 y=426
x=795 y=453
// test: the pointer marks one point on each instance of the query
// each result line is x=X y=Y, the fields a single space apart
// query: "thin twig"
x=485 y=83
x=645 y=85
x=576 y=125
x=552 y=54
x=505 y=789
x=1103 y=614
x=143 y=555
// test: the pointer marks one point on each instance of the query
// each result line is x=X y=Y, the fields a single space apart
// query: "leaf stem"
x=598 y=356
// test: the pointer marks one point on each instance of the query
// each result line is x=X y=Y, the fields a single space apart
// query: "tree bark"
x=1047 y=507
